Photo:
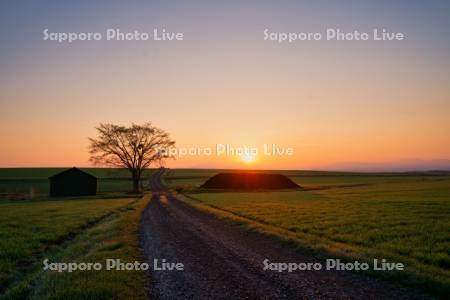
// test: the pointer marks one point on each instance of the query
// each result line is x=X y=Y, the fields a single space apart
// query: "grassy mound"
x=249 y=181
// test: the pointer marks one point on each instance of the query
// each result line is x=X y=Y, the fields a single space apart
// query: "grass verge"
x=109 y=233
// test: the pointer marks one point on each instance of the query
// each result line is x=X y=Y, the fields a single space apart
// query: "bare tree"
x=135 y=148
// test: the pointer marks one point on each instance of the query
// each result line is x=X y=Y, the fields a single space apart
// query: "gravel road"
x=222 y=261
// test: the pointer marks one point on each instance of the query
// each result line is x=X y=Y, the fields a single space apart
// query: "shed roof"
x=74 y=169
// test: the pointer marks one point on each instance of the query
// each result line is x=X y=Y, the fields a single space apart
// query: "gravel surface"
x=222 y=261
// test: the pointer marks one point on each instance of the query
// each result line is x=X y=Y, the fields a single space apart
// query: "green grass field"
x=401 y=217
x=83 y=229
x=79 y=230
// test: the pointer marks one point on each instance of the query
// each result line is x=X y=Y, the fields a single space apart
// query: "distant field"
x=402 y=217
x=65 y=230
x=31 y=182
x=191 y=179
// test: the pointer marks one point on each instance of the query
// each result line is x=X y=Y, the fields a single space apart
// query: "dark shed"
x=73 y=182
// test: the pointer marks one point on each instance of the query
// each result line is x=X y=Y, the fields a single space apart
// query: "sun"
x=248 y=157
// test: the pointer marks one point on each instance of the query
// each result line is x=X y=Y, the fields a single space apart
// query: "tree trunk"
x=136 y=179
x=135 y=185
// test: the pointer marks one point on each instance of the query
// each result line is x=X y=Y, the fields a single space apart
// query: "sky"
x=337 y=104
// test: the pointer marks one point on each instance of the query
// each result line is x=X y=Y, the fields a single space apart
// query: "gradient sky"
x=335 y=103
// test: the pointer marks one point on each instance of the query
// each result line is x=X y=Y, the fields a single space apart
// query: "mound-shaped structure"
x=249 y=181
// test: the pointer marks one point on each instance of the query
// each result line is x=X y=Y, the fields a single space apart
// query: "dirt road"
x=222 y=261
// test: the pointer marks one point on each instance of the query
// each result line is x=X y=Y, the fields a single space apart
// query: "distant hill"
x=249 y=180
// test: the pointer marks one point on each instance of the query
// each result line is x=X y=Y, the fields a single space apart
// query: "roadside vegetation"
x=69 y=230
x=400 y=217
